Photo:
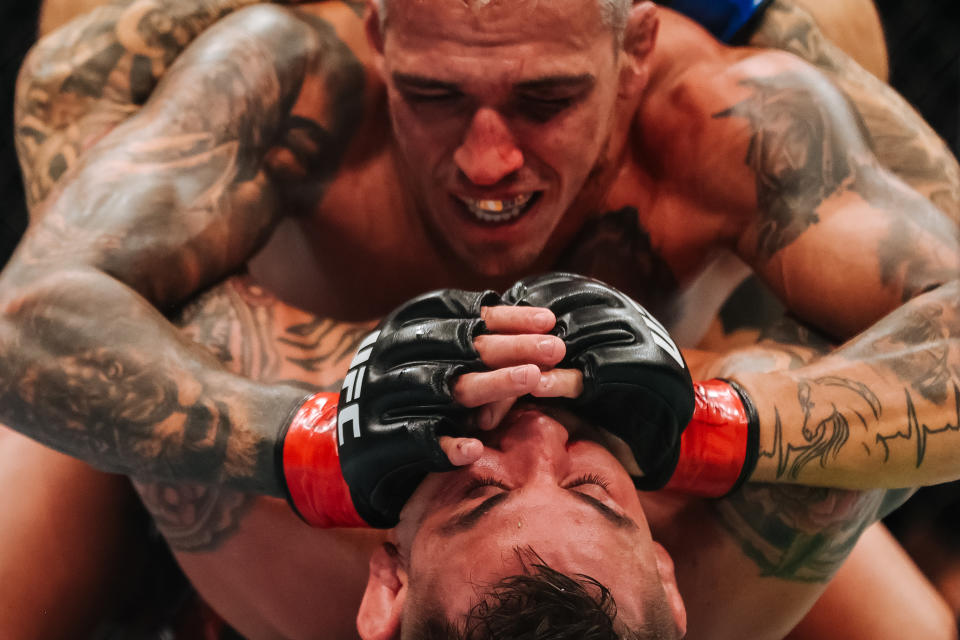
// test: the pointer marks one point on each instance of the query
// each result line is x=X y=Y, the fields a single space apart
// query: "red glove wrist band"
x=311 y=466
x=718 y=449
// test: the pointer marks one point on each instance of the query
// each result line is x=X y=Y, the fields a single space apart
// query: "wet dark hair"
x=545 y=604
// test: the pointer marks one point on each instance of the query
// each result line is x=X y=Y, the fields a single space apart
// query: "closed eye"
x=475 y=485
x=431 y=96
x=589 y=478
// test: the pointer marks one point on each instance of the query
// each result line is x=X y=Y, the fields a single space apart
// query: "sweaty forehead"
x=572 y=23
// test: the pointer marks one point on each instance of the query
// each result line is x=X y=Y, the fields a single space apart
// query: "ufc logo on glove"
x=349 y=412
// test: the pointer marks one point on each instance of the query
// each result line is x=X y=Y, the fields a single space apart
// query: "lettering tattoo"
x=901 y=140
x=258 y=337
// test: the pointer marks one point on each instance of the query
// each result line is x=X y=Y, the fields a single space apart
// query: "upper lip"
x=494 y=196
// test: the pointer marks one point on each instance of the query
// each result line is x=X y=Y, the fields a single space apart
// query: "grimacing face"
x=502 y=113
x=535 y=486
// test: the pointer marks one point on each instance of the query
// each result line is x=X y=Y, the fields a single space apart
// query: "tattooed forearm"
x=883 y=410
x=903 y=143
x=142 y=401
x=823 y=435
x=917 y=432
x=256 y=336
x=80 y=81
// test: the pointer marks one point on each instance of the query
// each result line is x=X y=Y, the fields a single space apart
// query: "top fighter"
x=521 y=139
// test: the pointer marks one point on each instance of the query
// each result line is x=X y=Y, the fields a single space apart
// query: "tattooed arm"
x=258 y=337
x=902 y=142
x=778 y=545
x=843 y=243
x=170 y=200
x=79 y=82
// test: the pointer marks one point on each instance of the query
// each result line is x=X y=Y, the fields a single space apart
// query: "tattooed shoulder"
x=799 y=151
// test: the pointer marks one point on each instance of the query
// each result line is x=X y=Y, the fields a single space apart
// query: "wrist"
x=310 y=465
x=719 y=447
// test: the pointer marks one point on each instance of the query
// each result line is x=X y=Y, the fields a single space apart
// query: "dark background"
x=17 y=29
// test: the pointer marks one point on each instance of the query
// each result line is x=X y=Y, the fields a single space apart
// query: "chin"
x=514 y=263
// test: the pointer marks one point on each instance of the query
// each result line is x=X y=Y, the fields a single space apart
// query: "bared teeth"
x=497 y=210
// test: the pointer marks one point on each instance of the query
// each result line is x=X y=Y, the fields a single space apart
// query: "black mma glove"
x=397 y=399
x=635 y=382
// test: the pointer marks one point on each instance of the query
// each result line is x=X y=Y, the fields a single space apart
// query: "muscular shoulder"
x=721 y=123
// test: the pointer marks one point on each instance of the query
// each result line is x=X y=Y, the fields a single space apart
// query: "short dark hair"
x=544 y=604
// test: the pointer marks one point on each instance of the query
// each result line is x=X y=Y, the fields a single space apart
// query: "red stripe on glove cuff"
x=713 y=447
x=311 y=465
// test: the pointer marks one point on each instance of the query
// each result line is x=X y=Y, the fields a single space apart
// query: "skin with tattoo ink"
x=350 y=163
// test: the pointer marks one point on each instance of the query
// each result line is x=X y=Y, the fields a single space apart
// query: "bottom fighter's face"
x=567 y=499
x=501 y=112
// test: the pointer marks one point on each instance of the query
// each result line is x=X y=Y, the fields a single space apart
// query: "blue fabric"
x=723 y=18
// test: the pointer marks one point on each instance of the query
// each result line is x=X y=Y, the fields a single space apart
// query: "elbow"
x=947 y=282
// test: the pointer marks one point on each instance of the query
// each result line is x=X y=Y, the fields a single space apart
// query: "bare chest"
x=363 y=249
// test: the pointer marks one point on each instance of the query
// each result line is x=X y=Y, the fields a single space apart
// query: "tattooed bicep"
x=81 y=80
x=803 y=145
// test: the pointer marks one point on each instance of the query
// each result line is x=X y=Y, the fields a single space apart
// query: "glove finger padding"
x=636 y=383
x=397 y=398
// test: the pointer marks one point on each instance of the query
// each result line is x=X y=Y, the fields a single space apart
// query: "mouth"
x=496 y=212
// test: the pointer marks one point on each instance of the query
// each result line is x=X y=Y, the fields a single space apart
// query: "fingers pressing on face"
x=489 y=416
x=475 y=389
x=498 y=351
x=509 y=319
x=559 y=383
x=461 y=451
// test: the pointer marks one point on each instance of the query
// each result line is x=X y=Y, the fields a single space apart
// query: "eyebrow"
x=470 y=519
x=417 y=81
x=557 y=82
x=618 y=520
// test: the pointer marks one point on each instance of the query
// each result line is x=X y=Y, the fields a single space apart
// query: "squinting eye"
x=431 y=96
x=543 y=108
x=590 y=478
x=477 y=484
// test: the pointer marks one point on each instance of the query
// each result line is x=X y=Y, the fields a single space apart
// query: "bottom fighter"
x=545 y=527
